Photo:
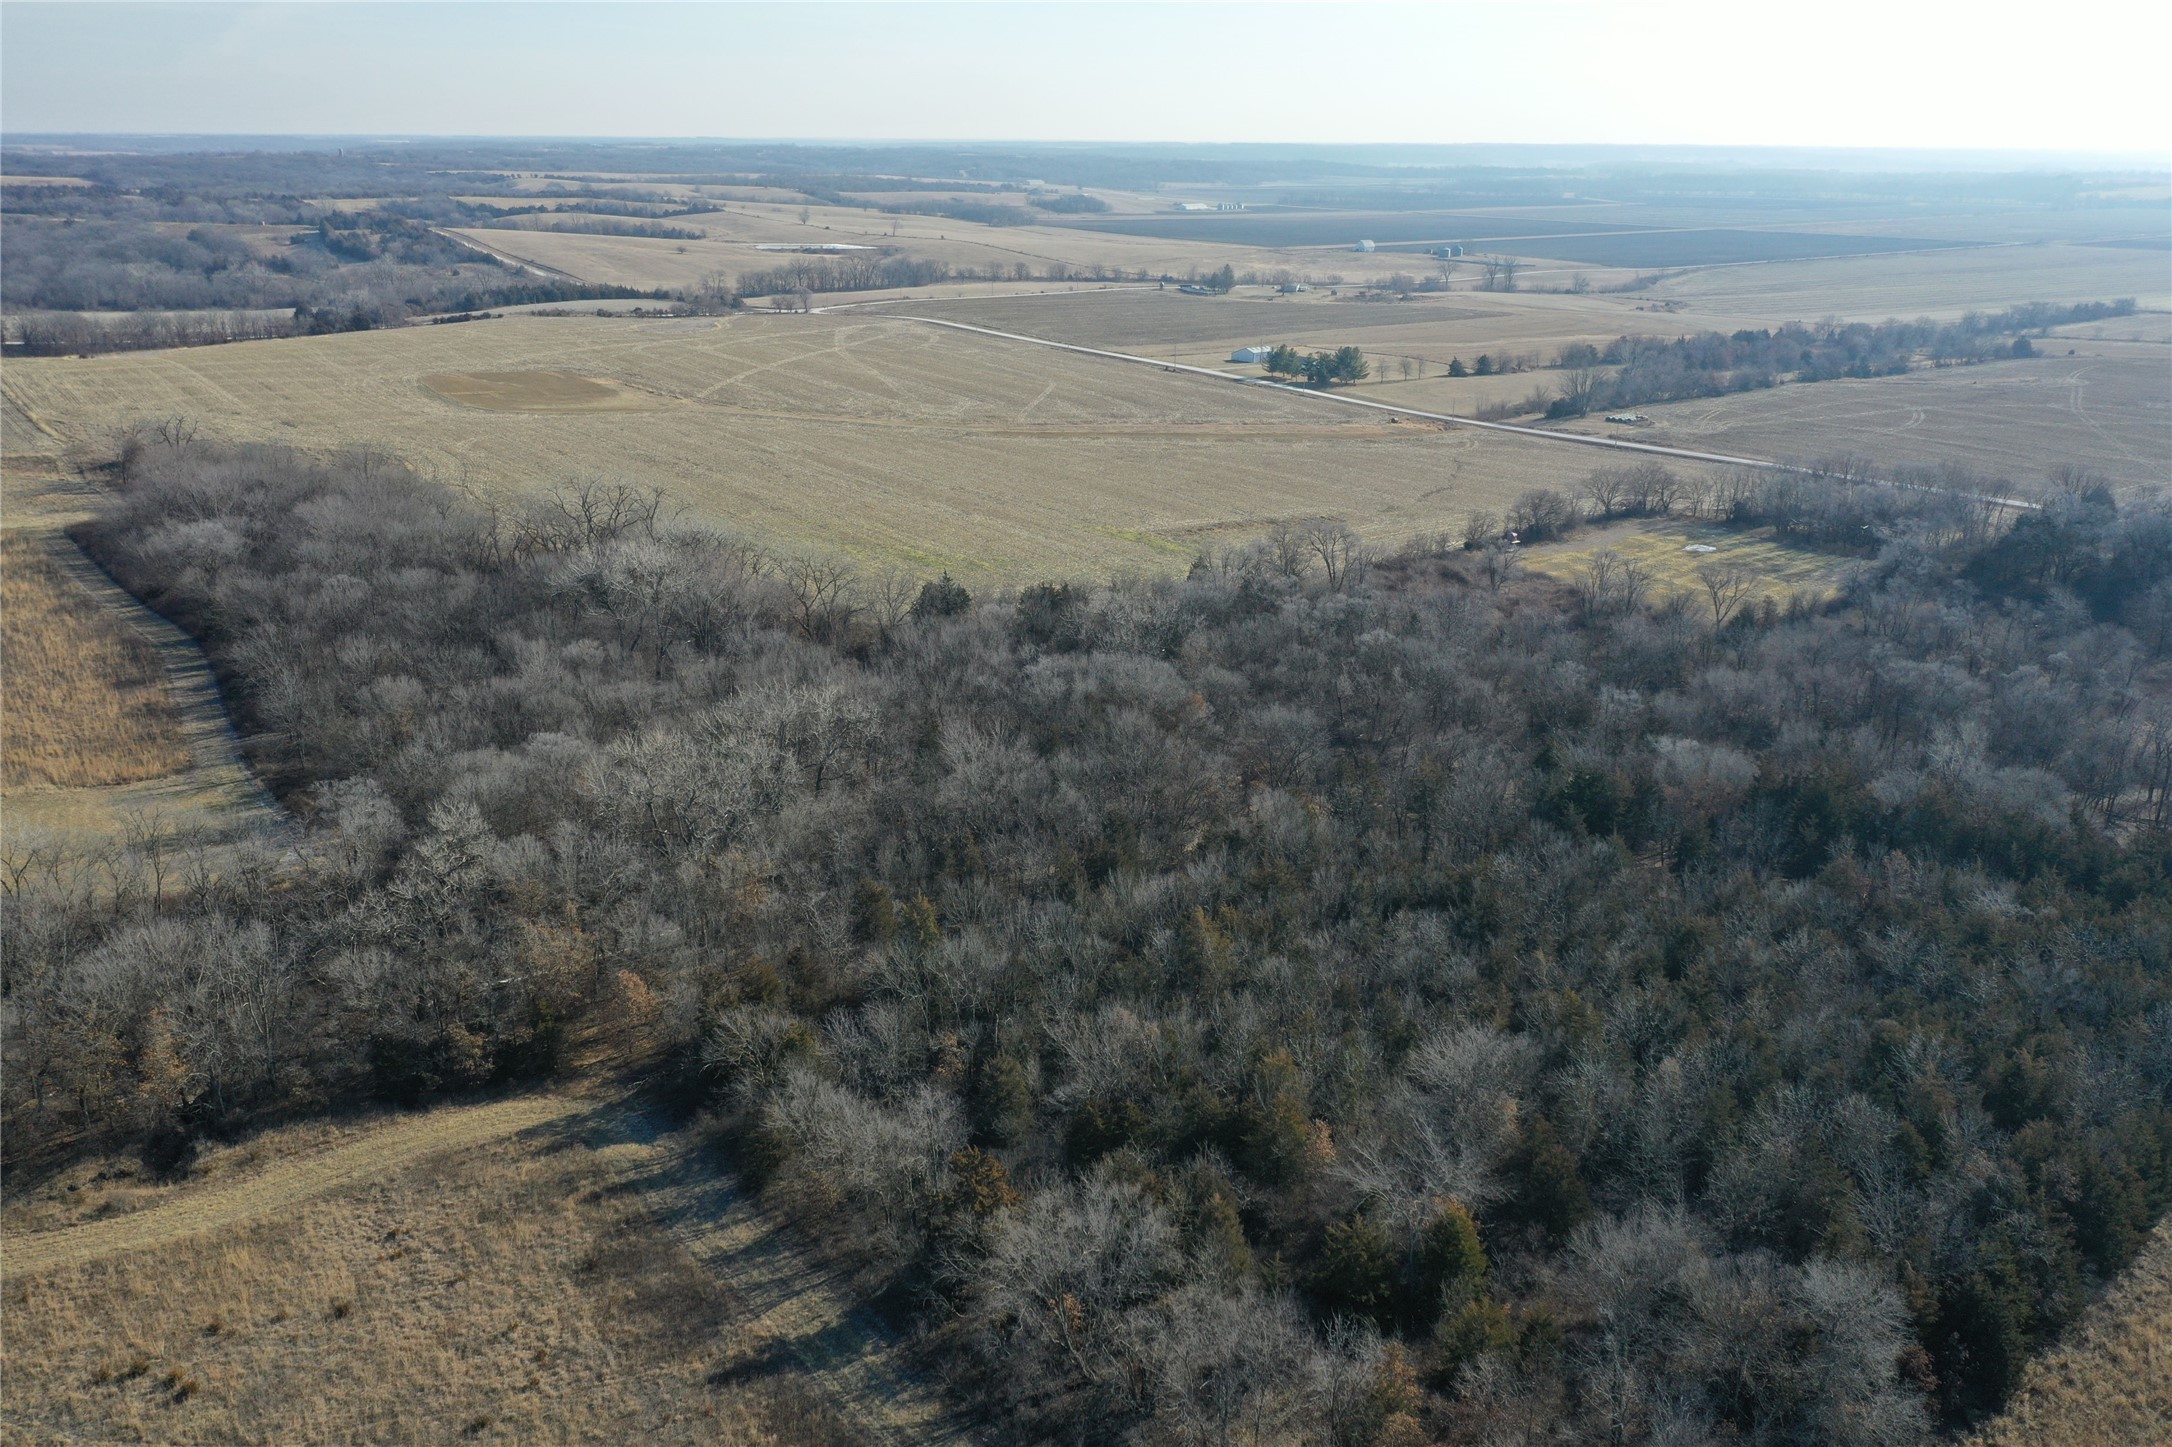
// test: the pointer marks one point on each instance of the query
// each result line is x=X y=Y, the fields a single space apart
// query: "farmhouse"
x=1363 y=246
x=1250 y=354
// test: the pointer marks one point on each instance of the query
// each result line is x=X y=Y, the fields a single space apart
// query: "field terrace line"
x=1615 y=444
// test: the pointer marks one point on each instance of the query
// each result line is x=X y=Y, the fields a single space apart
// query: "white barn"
x=1363 y=246
x=1250 y=354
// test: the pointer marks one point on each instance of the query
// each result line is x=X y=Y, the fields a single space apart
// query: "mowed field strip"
x=545 y=1267
x=195 y=1212
x=112 y=715
x=886 y=438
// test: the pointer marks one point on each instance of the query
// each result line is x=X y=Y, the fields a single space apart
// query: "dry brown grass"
x=86 y=700
x=2109 y=1383
x=511 y=1291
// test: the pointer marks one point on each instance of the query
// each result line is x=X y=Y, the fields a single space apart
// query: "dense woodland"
x=345 y=272
x=1340 y=998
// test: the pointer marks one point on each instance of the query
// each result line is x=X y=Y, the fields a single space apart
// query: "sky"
x=2083 y=75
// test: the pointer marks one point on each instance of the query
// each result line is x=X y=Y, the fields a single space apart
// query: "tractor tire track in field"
x=792 y=1313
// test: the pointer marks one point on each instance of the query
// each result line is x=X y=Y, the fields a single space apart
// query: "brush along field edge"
x=87 y=697
x=809 y=1313
x=245 y=806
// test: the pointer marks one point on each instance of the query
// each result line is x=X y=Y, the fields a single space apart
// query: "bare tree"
x=1605 y=487
x=1726 y=585
x=1498 y=563
x=1289 y=552
x=1580 y=387
x=820 y=590
x=1342 y=556
x=1612 y=583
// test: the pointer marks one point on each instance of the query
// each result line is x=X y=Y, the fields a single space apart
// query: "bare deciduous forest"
x=1333 y=995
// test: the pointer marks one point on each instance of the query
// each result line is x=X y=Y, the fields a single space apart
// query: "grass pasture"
x=110 y=723
x=894 y=441
x=1780 y=570
x=86 y=701
x=515 y=1289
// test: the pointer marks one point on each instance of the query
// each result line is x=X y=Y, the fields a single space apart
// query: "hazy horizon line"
x=2152 y=159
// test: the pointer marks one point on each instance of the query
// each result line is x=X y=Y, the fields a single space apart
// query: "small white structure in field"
x=1250 y=354
x=1363 y=246
x=1700 y=548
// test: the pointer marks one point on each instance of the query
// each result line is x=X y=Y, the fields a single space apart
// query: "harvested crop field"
x=1163 y=321
x=731 y=236
x=1671 y=248
x=889 y=439
x=2109 y=411
x=534 y=392
x=1346 y=228
x=1930 y=283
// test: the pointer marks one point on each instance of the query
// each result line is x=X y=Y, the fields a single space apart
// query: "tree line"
x=353 y=272
x=1633 y=370
x=1338 y=995
x=1318 y=369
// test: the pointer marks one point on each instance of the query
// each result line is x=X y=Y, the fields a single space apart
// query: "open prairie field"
x=896 y=441
x=533 y=1270
x=2108 y=409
